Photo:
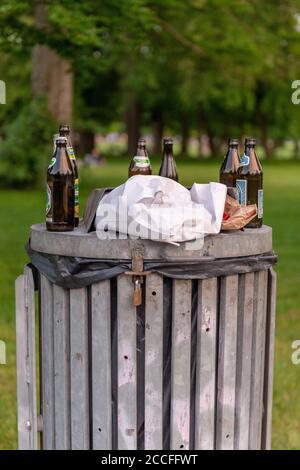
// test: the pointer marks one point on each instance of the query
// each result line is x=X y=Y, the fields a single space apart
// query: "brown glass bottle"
x=140 y=163
x=64 y=131
x=60 y=190
x=168 y=165
x=230 y=165
x=250 y=182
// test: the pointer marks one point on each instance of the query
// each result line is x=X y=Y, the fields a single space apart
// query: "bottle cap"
x=64 y=128
x=250 y=141
x=233 y=142
x=168 y=141
x=142 y=141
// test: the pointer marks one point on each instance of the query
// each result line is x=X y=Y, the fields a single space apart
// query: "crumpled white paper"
x=158 y=208
x=213 y=197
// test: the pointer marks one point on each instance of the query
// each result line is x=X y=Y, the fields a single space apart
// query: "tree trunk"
x=158 y=129
x=296 y=149
x=85 y=143
x=211 y=142
x=184 y=137
x=132 y=120
x=262 y=119
x=40 y=54
x=60 y=95
x=200 y=121
x=264 y=138
x=51 y=75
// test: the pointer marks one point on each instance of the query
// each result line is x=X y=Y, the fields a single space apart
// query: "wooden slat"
x=206 y=364
x=23 y=435
x=26 y=362
x=181 y=364
x=154 y=363
x=62 y=368
x=269 y=362
x=127 y=362
x=101 y=365
x=244 y=354
x=227 y=362
x=258 y=354
x=47 y=364
x=32 y=371
x=79 y=369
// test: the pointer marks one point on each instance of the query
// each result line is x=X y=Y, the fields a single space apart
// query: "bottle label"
x=244 y=160
x=141 y=162
x=48 y=204
x=54 y=141
x=52 y=162
x=241 y=186
x=76 y=204
x=71 y=153
x=260 y=203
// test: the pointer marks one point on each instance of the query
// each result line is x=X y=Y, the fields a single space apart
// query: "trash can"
x=146 y=345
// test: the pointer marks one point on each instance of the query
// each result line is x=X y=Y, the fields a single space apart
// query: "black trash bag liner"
x=76 y=272
x=73 y=272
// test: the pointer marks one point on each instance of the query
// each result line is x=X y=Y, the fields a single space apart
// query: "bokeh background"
x=199 y=70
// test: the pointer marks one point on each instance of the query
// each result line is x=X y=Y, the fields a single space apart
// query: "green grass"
x=282 y=202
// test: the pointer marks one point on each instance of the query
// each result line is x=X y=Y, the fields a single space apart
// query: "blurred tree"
x=192 y=67
x=51 y=74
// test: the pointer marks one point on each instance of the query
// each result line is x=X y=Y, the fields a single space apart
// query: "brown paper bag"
x=237 y=216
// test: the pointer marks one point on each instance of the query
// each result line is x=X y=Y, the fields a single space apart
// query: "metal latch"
x=138 y=274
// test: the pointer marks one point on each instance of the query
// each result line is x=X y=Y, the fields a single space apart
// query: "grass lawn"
x=282 y=202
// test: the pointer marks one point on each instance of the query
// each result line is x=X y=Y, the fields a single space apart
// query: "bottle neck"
x=60 y=147
x=64 y=134
x=168 y=150
x=60 y=162
x=141 y=151
x=252 y=162
x=231 y=161
x=249 y=149
x=232 y=151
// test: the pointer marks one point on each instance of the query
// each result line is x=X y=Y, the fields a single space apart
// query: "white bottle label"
x=141 y=162
x=260 y=203
x=241 y=186
x=244 y=160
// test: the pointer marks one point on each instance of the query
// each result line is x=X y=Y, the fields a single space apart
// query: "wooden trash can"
x=190 y=368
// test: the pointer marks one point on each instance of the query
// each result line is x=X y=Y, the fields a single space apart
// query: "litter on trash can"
x=237 y=216
x=161 y=209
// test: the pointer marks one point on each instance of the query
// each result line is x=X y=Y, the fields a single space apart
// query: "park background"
x=199 y=70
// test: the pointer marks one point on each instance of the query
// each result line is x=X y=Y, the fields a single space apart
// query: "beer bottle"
x=168 y=165
x=140 y=164
x=249 y=182
x=60 y=190
x=64 y=131
x=230 y=165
